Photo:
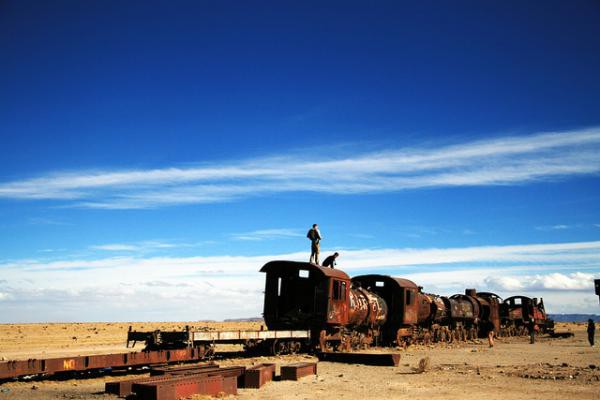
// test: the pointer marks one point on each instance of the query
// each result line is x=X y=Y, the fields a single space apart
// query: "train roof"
x=399 y=282
x=296 y=265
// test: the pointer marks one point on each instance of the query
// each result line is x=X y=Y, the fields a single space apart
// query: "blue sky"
x=155 y=153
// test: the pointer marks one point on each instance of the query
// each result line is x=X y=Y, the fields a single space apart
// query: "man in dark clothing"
x=330 y=261
x=532 y=329
x=490 y=328
x=315 y=248
x=591 y=330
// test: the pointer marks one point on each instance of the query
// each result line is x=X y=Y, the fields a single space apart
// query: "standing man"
x=591 y=330
x=532 y=327
x=330 y=261
x=315 y=237
x=490 y=328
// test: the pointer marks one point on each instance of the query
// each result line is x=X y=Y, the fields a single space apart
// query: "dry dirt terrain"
x=513 y=369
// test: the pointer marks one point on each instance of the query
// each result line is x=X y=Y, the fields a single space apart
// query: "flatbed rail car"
x=274 y=342
x=15 y=369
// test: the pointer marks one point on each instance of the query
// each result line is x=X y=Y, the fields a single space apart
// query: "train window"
x=408 y=297
x=336 y=290
x=518 y=301
x=339 y=290
x=379 y=284
x=302 y=273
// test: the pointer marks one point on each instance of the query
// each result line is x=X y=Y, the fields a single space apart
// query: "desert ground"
x=513 y=369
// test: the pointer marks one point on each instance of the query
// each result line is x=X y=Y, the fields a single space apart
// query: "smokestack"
x=471 y=292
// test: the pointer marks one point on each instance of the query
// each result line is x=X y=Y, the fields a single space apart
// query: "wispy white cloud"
x=558 y=227
x=143 y=246
x=45 y=221
x=575 y=281
x=267 y=234
x=500 y=161
x=158 y=287
x=115 y=247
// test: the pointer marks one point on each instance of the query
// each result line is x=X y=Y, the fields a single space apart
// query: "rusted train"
x=308 y=308
x=344 y=313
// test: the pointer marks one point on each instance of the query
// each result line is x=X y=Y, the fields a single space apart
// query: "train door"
x=410 y=306
x=337 y=312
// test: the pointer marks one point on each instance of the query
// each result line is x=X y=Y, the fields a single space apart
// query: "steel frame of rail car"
x=275 y=342
x=50 y=366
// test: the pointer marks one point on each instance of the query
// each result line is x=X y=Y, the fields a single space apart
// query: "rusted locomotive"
x=308 y=307
x=520 y=314
x=346 y=313
x=323 y=300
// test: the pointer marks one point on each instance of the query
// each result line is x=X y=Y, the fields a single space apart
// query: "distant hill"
x=574 y=317
x=253 y=319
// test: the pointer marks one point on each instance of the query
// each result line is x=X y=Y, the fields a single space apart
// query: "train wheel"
x=449 y=337
x=209 y=351
x=346 y=344
x=250 y=346
x=427 y=338
x=401 y=340
x=278 y=347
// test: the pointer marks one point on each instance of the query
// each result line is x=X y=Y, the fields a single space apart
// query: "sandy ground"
x=513 y=369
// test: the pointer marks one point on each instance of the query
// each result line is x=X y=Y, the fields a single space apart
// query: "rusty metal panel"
x=236 y=371
x=379 y=359
x=258 y=375
x=176 y=388
x=124 y=388
x=154 y=371
x=293 y=372
x=180 y=383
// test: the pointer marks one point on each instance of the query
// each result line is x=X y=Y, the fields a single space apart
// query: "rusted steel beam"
x=379 y=359
x=182 y=369
x=124 y=388
x=293 y=372
x=15 y=369
x=178 y=387
x=256 y=376
x=128 y=387
x=227 y=372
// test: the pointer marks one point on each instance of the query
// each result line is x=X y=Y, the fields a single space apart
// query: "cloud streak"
x=190 y=288
x=267 y=234
x=500 y=161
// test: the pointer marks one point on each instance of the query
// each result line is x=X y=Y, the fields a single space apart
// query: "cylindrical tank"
x=366 y=308
x=424 y=308
x=463 y=308
x=440 y=312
